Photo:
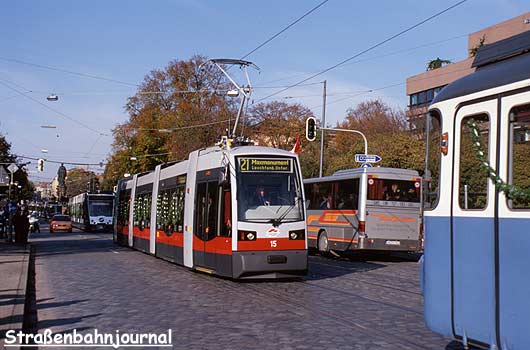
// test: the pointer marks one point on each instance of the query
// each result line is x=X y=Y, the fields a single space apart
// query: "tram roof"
x=500 y=63
x=383 y=172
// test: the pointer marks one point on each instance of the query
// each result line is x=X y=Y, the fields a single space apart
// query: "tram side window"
x=432 y=177
x=136 y=210
x=519 y=156
x=170 y=210
x=473 y=183
x=142 y=210
x=147 y=209
x=225 y=214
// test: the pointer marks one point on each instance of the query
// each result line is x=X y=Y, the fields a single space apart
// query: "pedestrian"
x=21 y=225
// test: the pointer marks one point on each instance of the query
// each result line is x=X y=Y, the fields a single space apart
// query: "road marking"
x=115 y=252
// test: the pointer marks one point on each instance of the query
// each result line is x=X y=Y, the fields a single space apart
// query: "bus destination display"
x=265 y=165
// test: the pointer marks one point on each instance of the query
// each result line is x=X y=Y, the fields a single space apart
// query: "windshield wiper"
x=277 y=221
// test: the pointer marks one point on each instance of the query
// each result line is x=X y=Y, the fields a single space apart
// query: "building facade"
x=422 y=88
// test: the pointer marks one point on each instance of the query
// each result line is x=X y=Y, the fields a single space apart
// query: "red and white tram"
x=235 y=212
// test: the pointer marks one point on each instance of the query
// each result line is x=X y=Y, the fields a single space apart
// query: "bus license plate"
x=393 y=242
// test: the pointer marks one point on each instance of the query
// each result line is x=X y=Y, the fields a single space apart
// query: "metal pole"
x=323 y=126
x=10 y=183
x=353 y=131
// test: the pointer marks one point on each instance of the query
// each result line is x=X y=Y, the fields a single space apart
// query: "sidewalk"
x=14 y=263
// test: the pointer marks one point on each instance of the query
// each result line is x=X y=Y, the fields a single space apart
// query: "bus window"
x=347 y=194
x=519 y=153
x=390 y=190
x=473 y=183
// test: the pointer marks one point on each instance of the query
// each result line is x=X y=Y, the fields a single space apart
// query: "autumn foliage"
x=179 y=109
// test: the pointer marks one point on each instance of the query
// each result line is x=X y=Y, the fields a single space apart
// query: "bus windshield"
x=394 y=190
x=100 y=208
x=268 y=190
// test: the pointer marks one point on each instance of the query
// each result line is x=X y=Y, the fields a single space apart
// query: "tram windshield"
x=394 y=190
x=268 y=190
x=100 y=207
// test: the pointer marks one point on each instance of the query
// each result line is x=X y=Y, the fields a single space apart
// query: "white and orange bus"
x=365 y=209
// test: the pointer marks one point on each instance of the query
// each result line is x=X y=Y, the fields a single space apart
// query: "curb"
x=17 y=314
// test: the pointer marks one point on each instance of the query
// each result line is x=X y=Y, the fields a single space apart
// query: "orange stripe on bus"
x=332 y=217
x=384 y=217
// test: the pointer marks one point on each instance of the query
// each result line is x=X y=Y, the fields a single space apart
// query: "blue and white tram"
x=235 y=212
x=477 y=235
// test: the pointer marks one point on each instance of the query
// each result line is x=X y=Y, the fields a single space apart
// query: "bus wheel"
x=323 y=243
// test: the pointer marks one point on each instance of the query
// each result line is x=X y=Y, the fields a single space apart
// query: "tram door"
x=473 y=203
x=206 y=223
x=514 y=220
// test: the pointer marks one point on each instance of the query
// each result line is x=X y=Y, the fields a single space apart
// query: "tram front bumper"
x=269 y=264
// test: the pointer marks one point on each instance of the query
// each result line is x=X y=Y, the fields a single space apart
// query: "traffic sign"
x=367 y=158
x=12 y=168
x=366 y=165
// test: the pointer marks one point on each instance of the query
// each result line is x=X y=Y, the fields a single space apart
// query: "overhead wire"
x=92 y=76
x=59 y=161
x=380 y=43
x=284 y=29
x=184 y=127
x=2 y=82
x=371 y=58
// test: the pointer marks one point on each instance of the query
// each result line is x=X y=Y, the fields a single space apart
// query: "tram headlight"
x=247 y=235
x=297 y=234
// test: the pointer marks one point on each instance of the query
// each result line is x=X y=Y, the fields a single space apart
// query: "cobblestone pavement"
x=84 y=281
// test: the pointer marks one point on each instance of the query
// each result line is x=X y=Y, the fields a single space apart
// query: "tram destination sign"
x=264 y=165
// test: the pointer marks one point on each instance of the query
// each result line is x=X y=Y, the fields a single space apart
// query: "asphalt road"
x=84 y=281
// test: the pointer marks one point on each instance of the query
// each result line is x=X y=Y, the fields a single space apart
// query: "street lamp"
x=52 y=97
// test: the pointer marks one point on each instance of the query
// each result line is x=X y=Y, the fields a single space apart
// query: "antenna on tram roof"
x=245 y=91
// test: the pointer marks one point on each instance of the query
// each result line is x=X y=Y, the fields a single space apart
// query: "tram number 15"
x=274 y=244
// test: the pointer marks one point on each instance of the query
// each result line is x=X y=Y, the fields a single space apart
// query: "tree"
x=473 y=51
x=387 y=134
x=278 y=124
x=437 y=63
x=26 y=191
x=175 y=99
x=80 y=180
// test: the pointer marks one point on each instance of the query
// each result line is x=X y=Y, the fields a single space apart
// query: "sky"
x=124 y=40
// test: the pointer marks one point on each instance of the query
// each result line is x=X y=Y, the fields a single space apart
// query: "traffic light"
x=40 y=165
x=310 y=129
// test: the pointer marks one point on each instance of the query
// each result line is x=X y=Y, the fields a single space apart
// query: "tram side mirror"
x=224 y=176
